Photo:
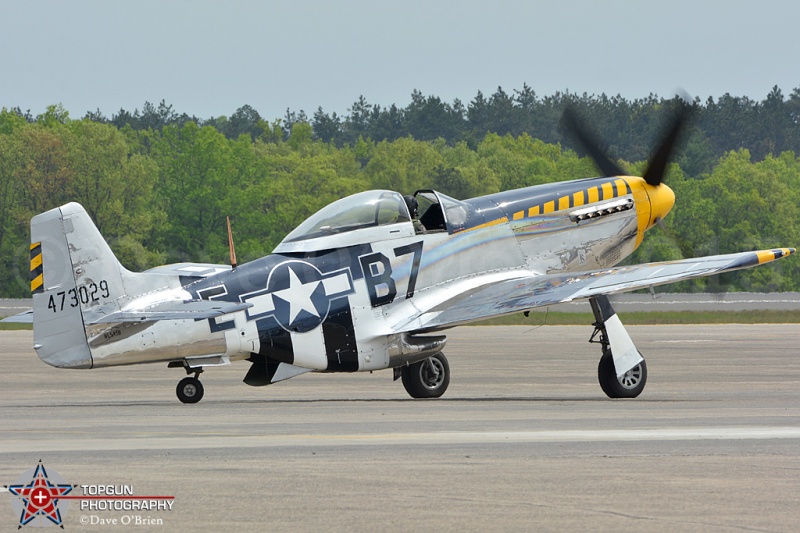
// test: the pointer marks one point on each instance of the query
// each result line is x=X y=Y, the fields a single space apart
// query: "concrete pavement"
x=523 y=440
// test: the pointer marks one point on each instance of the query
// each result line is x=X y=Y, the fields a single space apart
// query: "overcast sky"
x=208 y=58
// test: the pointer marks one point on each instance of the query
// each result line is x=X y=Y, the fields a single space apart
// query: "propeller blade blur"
x=657 y=166
x=588 y=140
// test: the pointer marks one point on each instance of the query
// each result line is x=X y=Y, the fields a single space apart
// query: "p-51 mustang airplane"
x=362 y=286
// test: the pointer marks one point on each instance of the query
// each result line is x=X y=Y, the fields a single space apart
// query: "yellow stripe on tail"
x=37 y=269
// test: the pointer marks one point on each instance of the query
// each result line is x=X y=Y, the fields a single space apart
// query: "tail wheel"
x=428 y=378
x=189 y=390
x=629 y=385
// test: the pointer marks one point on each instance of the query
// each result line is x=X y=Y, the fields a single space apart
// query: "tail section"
x=74 y=273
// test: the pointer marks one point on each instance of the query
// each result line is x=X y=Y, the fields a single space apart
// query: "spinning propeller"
x=656 y=166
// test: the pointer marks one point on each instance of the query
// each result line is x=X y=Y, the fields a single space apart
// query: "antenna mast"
x=230 y=243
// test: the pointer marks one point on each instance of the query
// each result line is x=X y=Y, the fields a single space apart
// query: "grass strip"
x=554 y=318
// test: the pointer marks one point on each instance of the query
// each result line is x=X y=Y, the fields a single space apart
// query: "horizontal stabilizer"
x=26 y=317
x=188 y=310
x=189 y=270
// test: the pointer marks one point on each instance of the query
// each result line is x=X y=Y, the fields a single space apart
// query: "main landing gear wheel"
x=428 y=378
x=629 y=385
x=189 y=390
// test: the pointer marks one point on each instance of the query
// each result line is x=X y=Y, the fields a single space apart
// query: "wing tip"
x=765 y=256
x=25 y=317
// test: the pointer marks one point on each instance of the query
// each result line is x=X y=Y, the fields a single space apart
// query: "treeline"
x=159 y=185
x=769 y=126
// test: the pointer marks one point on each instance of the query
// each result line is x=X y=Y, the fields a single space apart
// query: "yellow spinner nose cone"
x=662 y=198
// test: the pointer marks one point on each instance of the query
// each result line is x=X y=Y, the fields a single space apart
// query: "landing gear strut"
x=631 y=383
x=428 y=378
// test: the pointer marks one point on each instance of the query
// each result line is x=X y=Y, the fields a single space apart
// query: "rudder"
x=59 y=336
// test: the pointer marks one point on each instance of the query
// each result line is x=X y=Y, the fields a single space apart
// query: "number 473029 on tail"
x=369 y=282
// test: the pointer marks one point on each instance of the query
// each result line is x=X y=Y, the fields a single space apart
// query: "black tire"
x=428 y=378
x=189 y=390
x=630 y=385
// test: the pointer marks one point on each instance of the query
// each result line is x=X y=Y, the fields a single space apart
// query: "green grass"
x=552 y=318
x=10 y=326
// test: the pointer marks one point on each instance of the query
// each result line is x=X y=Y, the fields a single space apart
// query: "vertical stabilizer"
x=74 y=274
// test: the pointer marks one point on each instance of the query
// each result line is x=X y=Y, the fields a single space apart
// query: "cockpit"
x=439 y=212
x=372 y=216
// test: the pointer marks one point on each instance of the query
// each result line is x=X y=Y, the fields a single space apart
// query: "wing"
x=520 y=294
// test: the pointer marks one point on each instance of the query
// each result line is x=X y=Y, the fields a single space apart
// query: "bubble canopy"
x=361 y=217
